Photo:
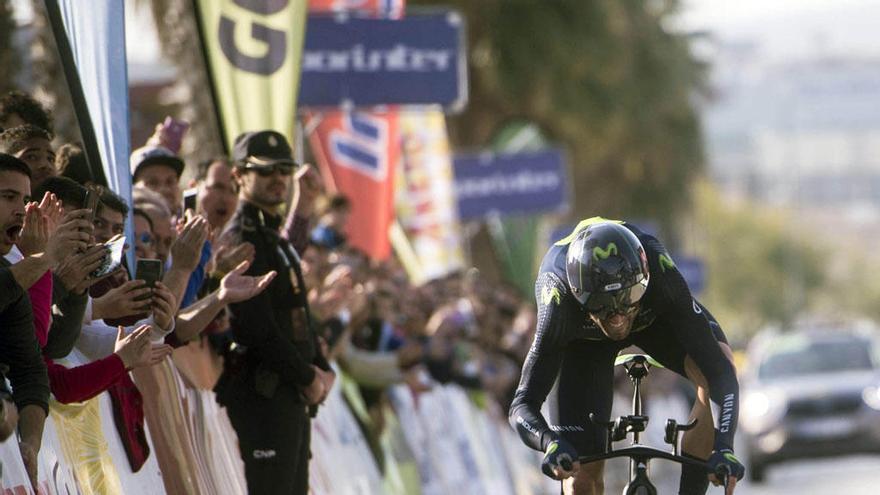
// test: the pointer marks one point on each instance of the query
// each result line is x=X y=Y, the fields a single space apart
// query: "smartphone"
x=189 y=198
x=112 y=260
x=150 y=271
x=173 y=131
x=91 y=203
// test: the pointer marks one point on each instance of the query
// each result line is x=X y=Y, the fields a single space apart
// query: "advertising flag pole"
x=80 y=107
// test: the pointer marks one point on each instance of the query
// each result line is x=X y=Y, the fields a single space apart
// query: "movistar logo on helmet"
x=666 y=262
x=551 y=294
x=604 y=254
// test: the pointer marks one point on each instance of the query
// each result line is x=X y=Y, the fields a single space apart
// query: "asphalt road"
x=854 y=475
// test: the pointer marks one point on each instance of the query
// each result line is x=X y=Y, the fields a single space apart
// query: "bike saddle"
x=626 y=359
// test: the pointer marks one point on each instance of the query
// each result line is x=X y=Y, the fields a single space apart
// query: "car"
x=810 y=393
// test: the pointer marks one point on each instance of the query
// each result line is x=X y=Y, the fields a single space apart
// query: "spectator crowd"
x=78 y=321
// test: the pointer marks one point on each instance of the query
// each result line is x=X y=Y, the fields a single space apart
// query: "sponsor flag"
x=361 y=61
x=359 y=152
x=425 y=202
x=517 y=237
x=253 y=50
x=92 y=36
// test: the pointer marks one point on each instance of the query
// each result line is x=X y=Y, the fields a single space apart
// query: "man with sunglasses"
x=275 y=371
x=605 y=287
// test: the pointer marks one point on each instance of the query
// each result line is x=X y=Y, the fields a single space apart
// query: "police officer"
x=275 y=371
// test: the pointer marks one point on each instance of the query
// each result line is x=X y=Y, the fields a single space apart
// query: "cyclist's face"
x=616 y=326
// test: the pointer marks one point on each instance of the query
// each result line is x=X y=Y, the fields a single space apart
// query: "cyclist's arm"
x=693 y=332
x=541 y=366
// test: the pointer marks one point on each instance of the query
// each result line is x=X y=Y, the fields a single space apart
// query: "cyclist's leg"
x=698 y=442
x=585 y=384
x=589 y=480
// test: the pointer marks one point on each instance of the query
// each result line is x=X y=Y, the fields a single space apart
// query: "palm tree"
x=10 y=59
x=178 y=37
x=49 y=84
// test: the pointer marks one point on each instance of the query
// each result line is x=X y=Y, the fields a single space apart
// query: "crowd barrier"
x=445 y=441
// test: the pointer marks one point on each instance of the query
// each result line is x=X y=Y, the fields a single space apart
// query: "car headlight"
x=871 y=396
x=763 y=408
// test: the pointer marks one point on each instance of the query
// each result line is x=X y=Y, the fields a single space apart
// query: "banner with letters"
x=511 y=183
x=363 y=61
x=425 y=197
x=253 y=50
x=357 y=153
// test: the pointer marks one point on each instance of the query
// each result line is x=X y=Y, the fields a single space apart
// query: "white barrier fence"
x=434 y=443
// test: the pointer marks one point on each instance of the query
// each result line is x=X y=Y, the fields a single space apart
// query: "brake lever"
x=722 y=471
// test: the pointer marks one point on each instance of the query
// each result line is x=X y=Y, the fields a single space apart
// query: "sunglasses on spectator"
x=284 y=169
x=146 y=239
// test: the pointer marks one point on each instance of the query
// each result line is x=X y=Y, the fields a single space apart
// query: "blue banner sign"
x=518 y=183
x=357 y=61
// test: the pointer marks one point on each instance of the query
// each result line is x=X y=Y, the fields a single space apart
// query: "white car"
x=810 y=394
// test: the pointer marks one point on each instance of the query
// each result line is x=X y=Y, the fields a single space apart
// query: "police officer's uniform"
x=270 y=363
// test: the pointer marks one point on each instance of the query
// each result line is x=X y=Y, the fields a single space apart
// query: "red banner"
x=359 y=152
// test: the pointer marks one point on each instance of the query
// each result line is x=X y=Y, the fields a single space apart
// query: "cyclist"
x=605 y=287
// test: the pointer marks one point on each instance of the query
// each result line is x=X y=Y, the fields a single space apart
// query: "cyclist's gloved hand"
x=723 y=463
x=560 y=460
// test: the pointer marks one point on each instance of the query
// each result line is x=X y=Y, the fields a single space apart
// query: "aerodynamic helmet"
x=607 y=269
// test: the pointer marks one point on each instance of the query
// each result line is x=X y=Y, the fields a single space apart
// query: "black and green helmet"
x=606 y=268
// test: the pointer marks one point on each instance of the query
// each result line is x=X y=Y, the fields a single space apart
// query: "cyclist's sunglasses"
x=622 y=301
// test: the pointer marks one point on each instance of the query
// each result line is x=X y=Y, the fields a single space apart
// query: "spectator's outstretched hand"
x=236 y=287
x=130 y=298
x=34 y=231
x=310 y=187
x=227 y=257
x=72 y=236
x=52 y=210
x=164 y=306
x=187 y=249
x=136 y=350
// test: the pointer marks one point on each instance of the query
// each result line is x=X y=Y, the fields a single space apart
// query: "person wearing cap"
x=275 y=371
x=158 y=169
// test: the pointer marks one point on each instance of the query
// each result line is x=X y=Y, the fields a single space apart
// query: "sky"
x=790 y=28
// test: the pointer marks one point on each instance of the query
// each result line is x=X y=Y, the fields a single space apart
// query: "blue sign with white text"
x=417 y=60
x=516 y=183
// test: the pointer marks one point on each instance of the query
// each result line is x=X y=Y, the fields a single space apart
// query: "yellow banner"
x=425 y=203
x=85 y=447
x=253 y=49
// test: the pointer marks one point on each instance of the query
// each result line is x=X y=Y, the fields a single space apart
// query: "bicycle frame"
x=639 y=455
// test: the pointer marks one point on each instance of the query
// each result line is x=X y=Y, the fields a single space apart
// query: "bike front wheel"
x=639 y=487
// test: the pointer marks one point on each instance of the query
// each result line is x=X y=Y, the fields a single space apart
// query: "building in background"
x=802 y=134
